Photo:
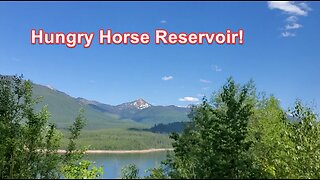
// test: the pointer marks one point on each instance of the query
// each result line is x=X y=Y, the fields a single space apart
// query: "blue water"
x=113 y=163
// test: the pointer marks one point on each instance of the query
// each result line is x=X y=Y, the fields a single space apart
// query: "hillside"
x=120 y=127
x=139 y=113
x=142 y=111
x=64 y=109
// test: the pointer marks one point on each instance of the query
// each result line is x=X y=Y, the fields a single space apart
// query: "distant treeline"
x=176 y=127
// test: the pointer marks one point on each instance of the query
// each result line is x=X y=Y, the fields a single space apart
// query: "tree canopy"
x=240 y=133
x=29 y=144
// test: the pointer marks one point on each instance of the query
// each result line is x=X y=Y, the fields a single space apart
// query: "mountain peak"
x=140 y=103
x=140 y=100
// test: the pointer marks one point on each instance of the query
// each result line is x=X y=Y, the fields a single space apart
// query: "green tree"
x=130 y=172
x=215 y=146
x=74 y=166
x=82 y=170
x=241 y=135
x=158 y=173
x=305 y=133
x=271 y=145
x=28 y=144
x=285 y=146
x=22 y=130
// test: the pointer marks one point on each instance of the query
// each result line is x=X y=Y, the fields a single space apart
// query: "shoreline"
x=122 y=151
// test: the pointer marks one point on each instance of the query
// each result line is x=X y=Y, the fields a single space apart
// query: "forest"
x=236 y=133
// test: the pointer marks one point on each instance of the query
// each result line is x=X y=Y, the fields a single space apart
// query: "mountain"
x=138 y=113
x=143 y=112
x=134 y=105
x=107 y=126
x=64 y=109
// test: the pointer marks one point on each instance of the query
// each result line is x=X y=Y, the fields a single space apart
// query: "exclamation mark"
x=241 y=33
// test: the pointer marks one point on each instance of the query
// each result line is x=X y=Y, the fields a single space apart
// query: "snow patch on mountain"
x=137 y=104
x=50 y=87
x=140 y=104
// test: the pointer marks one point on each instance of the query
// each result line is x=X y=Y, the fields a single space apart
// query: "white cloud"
x=189 y=99
x=294 y=9
x=163 y=21
x=305 y=6
x=290 y=7
x=216 y=68
x=183 y=106
x=292 y=19
x=167 y=78
x=205 y=88
x=205 y=81
x=293 y=26
x=288 y=34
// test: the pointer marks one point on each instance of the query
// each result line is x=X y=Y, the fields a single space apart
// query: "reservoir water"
x=113 y=163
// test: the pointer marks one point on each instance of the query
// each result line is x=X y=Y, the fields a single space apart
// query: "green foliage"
x=271 y=144
x=24 y=134
x=304 y=134
x=28 y=144
x=235 y=135
x=239 y=135
x=130 y=172
x=157 y=173
x=286 y=147
x=74 y=167
x=82 y=170
x=214 y=145
x=52 y=159
x=71 y=154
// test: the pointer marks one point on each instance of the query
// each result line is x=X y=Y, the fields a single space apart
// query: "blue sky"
x=281 y=50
